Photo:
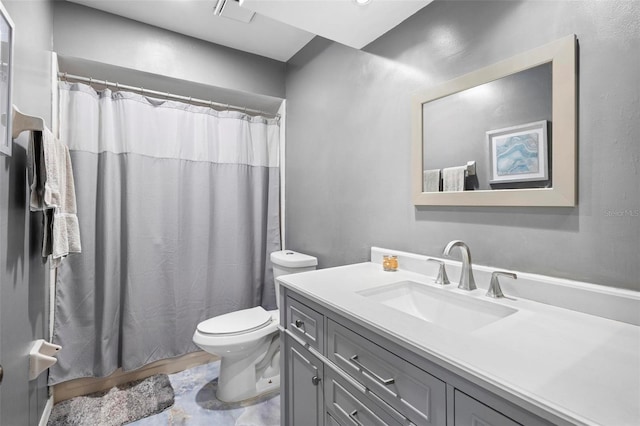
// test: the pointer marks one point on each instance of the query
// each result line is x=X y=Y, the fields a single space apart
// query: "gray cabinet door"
x=469 y=412
x=304 y=392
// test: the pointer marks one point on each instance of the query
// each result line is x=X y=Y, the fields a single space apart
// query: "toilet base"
x=250 y=376
x=229 y=392
x=265 y=386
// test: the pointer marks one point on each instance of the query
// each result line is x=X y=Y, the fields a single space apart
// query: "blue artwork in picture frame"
x=6 y=80
x=518 y=153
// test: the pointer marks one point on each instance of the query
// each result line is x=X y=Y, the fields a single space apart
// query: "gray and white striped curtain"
x=178 y=208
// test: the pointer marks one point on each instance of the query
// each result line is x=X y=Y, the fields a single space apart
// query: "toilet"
x=248 y=341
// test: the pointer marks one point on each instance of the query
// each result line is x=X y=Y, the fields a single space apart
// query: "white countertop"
x=582 y=368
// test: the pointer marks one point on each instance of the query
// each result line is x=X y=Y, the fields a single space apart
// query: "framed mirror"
x=504 y=135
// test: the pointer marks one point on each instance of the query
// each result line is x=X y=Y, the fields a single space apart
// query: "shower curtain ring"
x=142 y=91
x=64 y=77
x=117 y=86
x=90 y=81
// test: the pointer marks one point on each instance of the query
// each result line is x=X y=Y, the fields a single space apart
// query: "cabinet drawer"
x=349 y=406
x=305 y=323
x=468 y=411
x=411 y=391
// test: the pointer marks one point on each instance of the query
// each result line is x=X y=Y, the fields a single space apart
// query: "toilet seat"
x=229 y=338
x=238 y=322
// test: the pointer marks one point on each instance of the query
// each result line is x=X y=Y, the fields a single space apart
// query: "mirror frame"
x=563 y=193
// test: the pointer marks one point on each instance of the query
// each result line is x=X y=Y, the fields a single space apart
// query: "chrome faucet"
x=466 y=277
x=494 y=287
x=442 y=272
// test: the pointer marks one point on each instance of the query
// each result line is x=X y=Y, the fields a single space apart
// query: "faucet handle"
x=494 y=287
x=442 y=272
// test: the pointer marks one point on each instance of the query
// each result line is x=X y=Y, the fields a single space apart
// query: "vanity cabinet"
x=304 y=375
x=337 y=372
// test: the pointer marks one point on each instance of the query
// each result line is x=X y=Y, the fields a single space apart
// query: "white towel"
x=453 y=178
x=431 y=180
x=53 y=190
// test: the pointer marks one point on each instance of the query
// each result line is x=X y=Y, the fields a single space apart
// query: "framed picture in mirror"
x=6 y=80
x=518 y=153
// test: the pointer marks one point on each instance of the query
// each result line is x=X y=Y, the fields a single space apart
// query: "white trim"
x=46 y=413
x=55 y=101
x=283 y=151
x=55 y=125
x=53 y=274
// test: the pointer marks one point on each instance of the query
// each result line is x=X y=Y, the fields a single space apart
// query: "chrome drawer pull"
x=299 y=324
x=386 y=382
x=315 y=380
x=353 y=416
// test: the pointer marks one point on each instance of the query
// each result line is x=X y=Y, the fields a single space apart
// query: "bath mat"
x=117 y=406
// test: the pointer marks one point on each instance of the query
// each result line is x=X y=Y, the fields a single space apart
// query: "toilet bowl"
x=247 y=341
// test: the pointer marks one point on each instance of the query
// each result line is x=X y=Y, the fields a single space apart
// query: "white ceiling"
x=343 y=21
x=279 y=29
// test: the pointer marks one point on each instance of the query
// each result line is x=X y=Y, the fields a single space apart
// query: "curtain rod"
x=187 y=99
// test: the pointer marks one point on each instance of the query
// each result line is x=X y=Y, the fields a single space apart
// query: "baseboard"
x=46 y=413
x=85 y=386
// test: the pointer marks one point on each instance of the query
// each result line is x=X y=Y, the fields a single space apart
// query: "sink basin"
x=441 y=307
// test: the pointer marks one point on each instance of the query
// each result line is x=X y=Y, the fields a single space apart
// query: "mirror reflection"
x=493 y=136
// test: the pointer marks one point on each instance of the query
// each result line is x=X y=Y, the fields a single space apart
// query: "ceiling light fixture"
x=362 y=2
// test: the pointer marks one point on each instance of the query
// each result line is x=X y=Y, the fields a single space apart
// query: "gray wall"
x=100 y=37
x=23 y=276
x=348 y=141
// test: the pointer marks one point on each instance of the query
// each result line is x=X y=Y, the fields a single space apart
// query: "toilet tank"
x=290 y=262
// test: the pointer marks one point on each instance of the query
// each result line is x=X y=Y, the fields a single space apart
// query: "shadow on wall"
x=550 y=218
x=309 y=53
x=447 y=36
x=16 y=165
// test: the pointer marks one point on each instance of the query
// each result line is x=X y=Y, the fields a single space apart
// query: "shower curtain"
x=178 y=208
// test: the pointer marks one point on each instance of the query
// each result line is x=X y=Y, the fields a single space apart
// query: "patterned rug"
x=117 y=406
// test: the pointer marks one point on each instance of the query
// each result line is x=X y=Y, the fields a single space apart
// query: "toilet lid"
x=236 y=322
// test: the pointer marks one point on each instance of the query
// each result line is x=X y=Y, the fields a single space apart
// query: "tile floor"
x=196 y=403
